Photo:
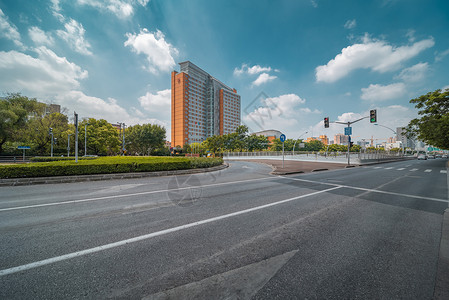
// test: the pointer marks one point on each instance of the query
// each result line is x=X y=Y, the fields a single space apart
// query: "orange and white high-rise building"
x=201 y=106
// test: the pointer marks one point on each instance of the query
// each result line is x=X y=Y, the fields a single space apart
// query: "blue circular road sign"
x=282 y=137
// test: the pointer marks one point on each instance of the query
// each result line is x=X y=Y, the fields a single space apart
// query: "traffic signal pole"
x=349 y=141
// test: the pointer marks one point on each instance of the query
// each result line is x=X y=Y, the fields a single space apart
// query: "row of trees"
x=24 y=122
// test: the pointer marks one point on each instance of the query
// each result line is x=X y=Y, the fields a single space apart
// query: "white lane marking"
x=150 y=235
x=389 y=168
x=371 y=190
x=413 y=170
x=377 y=167
x=428 y=171
x=443 y=171
x=400 y=169
x=127 y=195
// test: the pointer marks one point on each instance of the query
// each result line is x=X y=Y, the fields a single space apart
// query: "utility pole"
x=349 y=131
x=76 y=137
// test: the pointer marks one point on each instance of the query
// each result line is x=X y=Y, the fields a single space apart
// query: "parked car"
x=422 y=156
x=430 y=156
x=444 y=156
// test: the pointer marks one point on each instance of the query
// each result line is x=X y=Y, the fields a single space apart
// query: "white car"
x=422 y=156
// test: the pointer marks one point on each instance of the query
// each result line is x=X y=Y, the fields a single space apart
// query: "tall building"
x=324 y=139
x=201 y=106
x=341 y=139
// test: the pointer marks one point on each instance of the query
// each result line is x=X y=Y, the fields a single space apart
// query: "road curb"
x=441 y=290
x=97 y=177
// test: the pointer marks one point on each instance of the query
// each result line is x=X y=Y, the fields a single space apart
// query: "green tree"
x=214 y=143
x=256 y=142
x=314 y=145
x=145 y=138
x=432 y=127
x=15 y=111
x=102 y=137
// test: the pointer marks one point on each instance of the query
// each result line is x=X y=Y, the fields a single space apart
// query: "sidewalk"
x=294 y=166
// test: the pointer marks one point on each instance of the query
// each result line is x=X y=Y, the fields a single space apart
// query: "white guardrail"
x=337 y=157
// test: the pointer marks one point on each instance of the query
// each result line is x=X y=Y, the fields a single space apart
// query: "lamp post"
x=402 y=146
x=68 y=144
x=297 y=140
x=51 y=134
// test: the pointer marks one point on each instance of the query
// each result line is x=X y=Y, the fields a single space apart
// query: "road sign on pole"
x=282 y=137
x=348 y=130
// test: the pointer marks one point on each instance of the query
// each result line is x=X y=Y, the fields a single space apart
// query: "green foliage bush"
x=57 y=158
x=105 y=165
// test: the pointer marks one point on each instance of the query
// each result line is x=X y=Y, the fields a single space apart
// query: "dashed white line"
x=400 y=169
x=428 y=171
x=148 y=236
x=443 y=171
x=389 y=168
x=413 y=170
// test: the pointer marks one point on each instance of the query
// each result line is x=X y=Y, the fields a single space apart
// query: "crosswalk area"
x=410 y=169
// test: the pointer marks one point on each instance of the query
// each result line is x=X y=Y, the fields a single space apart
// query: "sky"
x=293 y=62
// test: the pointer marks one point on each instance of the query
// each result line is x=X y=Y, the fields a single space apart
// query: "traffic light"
x=326 y=122
x=351 y=144
x=373 y=116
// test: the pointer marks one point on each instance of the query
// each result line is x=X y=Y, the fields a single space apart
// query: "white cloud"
x=121 y=8
x=277 y=113
x=9 y=31
x=47 y=74
x=263 y=78
x=56 y=10
x=314 y=3
x=39 y=37
x=440 y=55
x=415 y=73
x=74 y=36
x=445 y=88
x=410 y=35
x=350 y=24
x=377 y=92
x=371 y=54
x=158 y=51
x=157 y=103
x=252 y=70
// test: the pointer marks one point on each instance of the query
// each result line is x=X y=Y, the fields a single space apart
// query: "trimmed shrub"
x=105 y=165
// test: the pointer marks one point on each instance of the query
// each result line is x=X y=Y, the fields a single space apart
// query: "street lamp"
x=68 y=144
x=51 y=134
x=395 y=132
x=297 y=140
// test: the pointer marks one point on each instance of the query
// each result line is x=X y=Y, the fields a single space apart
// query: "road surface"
x=366 y=232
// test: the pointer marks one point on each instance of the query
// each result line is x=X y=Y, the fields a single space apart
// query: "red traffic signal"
x=326 y=122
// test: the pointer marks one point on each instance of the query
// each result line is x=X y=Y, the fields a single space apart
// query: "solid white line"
x=148 y=236
x=371 y=190
x=428 y=171
x=125 y=195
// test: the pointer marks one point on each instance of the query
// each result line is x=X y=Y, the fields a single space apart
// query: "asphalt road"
x=367 y=232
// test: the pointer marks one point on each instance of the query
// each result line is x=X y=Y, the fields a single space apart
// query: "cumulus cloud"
x=74 y=36
x=157 y=103
x=9 y=30
x=158 y=51
x=276 y=112
x=45 y=74
x=377 y=92
x=263 y=78
x=120 y=8
x=370 y=54
x=39 y=37
x=441 y=55
x=251 y=70
x=415 y=73
x=350 y=24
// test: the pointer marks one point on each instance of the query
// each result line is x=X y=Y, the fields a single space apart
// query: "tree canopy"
x=432 y=127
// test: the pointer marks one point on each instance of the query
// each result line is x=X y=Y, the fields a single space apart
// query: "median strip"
x=150 y=235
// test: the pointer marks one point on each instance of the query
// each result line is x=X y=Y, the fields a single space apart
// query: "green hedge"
x=106 y=165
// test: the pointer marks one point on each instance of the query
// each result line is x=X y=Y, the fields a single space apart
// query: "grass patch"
x=106 y=165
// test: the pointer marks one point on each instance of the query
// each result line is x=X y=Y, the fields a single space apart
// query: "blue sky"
x=292 y=62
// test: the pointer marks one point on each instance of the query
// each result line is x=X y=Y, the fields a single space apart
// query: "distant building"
x=324 y=139
x=341 y=139
x=201 y=106
x=271 y=134
x=391 y=140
